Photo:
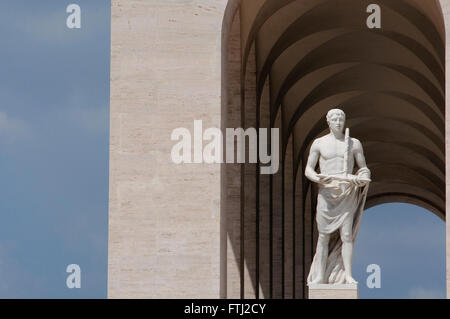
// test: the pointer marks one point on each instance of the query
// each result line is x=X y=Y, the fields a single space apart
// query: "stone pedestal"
x=326 y=291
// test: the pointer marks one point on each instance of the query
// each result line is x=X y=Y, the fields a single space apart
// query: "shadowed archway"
x=288 y=62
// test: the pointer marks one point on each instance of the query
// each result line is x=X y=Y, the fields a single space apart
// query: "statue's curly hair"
x=333 y=112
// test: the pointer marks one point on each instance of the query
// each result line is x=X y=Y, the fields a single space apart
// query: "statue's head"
x=336 y=120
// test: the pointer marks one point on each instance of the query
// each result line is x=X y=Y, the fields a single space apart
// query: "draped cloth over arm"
x=338 y=203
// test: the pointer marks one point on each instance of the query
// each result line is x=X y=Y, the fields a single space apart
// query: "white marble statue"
x=340 y=200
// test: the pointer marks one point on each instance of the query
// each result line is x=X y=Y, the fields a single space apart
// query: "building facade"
x=224 y=230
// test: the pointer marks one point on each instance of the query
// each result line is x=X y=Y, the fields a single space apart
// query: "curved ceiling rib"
x=314 y=55
x=362 y=39
x=307 y=66
x=396 y=15
x=361 y=78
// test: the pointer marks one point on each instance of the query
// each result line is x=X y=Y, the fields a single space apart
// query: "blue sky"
x=54 y=130
x=408 y=243
x=54 y=118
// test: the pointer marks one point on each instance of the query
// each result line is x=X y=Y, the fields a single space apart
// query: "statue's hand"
x=324 y=179
x=358 y=180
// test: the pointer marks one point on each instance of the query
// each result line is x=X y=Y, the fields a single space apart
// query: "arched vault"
x=300 y=58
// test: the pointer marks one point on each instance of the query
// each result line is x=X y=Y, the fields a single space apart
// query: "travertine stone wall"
x=231 y=206
x=264 y=208
x=288 y=224
x=249 y=234
x=164 y=219
x=277 y=226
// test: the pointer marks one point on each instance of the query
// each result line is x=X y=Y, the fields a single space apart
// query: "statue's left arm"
x=360 y=161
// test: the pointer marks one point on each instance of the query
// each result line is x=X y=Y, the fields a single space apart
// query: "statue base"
x=329 y=291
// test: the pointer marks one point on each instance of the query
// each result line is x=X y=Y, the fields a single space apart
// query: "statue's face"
x=337 y=123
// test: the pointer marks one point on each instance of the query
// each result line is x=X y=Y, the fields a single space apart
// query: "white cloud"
x=12 y=128
x=93 y=119
x=422 y=293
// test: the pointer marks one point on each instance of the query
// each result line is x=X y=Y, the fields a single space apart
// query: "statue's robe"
x=338 y=203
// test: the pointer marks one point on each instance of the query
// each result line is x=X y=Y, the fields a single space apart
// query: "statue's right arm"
x=313 y=158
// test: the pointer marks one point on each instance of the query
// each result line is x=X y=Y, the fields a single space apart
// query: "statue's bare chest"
x=332 y=153
x=330 y=149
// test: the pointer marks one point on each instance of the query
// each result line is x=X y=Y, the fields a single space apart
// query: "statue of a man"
x=340 y=200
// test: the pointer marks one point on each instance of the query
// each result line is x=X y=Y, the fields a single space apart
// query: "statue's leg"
x=321 y=257
x=347 y=250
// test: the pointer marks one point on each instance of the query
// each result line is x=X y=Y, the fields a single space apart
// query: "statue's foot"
x=318 y=280
x=350 y=280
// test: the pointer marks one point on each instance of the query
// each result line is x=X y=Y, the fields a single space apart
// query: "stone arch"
x=295 y=78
